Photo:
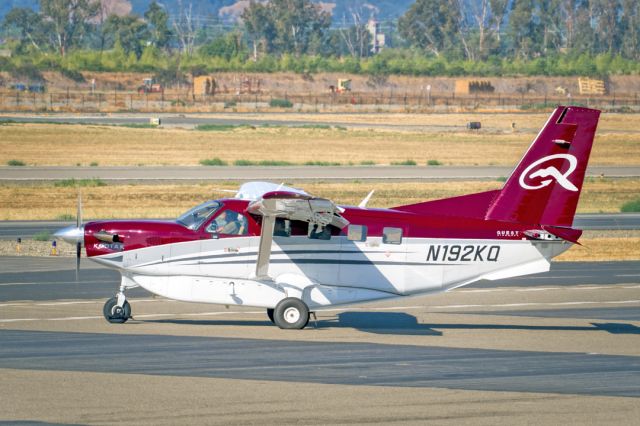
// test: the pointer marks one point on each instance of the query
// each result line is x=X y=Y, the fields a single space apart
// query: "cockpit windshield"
x=197 y=215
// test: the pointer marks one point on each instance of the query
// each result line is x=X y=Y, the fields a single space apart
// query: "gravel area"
x=35 y=248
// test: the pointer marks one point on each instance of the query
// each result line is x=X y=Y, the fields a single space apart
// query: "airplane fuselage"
x=195 y=267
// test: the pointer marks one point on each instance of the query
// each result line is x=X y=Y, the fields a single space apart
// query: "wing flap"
x=292 y=206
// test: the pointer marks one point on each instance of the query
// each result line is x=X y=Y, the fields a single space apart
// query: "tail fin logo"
x=551 y=171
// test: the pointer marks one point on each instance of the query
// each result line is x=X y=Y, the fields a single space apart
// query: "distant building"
x=377 y=38
x=5 y=53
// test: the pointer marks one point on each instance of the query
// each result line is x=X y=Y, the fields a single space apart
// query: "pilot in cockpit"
x=231 y=223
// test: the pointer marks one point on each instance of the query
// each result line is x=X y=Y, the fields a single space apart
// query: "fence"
x=126 y=101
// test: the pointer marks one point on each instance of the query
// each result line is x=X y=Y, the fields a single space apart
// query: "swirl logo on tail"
x=550 y=172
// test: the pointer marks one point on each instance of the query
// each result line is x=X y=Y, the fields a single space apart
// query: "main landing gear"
x=290 y=314
x=117 y=310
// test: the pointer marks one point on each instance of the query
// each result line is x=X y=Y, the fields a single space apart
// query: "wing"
x=293 y=206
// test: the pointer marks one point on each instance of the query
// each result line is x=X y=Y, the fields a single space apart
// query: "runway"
x=275 y=173
x=559 y=347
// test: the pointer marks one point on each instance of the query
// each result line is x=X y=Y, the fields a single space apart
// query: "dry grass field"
x=47 y=201
x=617 y=142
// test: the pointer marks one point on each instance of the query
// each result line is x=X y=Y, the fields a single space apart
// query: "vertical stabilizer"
x=545 y=186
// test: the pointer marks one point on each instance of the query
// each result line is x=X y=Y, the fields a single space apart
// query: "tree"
x=69 y=20
x=225 y=46
x=185 y=28
x=630 y=29
x=432 y=25
x=260 y=26
x=131 y=31
x=295 y=26
x=356 y=38
x=158 y=20
x=524 y=29
x=28 y=27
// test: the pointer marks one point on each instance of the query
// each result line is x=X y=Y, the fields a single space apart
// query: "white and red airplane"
x=284 y=250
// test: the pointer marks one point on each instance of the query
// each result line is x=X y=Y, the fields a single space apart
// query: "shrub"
x=262 y=163
x=213 y=162
x=274 y=163
x=404 y=163
x=73 y=75
x=313 y=126
x=322 y=163
x=217 y=127
x=434 y=163
x=15 y=163
x=631 y=206
x=367 y=163
x=42 y=236
x=80 y=182
x=280 y=103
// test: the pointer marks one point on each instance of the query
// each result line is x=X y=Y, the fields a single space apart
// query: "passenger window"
x=282 y=228
x=392 y=235
x=357 y=233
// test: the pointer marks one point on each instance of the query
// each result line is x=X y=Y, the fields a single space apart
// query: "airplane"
x=282 y=249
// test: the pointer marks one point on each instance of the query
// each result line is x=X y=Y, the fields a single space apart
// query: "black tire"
x=270 y=315
x=114 y=314
x=291 y=314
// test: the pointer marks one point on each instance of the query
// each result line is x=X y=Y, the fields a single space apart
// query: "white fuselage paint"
x=324 y=273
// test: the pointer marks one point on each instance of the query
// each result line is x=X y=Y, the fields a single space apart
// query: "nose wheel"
x=114 y=313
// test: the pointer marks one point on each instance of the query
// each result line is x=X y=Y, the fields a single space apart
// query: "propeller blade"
x=79 y=242
x=78 y=253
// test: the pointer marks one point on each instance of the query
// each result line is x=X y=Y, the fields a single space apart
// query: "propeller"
x=79 y=241
x=74 y=235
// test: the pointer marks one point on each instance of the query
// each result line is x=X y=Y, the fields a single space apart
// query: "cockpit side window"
x=195 y=217
x=229 y=222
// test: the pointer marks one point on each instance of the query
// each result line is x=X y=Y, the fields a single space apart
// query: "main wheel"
x=114 y=313
x=270 y=315
x=291 y=313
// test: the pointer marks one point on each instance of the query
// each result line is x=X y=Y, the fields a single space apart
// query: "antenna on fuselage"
x=363 y=203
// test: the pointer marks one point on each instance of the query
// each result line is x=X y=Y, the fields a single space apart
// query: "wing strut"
x=264 y=249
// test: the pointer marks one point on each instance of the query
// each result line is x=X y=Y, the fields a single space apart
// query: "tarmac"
x=559 y=347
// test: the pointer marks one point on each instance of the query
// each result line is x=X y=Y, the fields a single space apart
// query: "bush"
x=434 y=163
x=313 y=126
x=280 y=103
x=404 y=163
x=213 y=162
x=73 y=75
x=42 y=236
x=322 y=163
x=631 y=206
x=80 y=182
x=262 y=163
x=15 y=163
x=218 y=127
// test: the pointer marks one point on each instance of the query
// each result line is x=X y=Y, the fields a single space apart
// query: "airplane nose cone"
x=71 y=234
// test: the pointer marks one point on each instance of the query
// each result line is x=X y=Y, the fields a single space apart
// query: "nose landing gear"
x=116 y=314
x=117 y=310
